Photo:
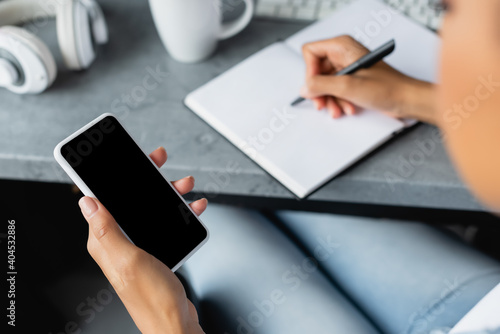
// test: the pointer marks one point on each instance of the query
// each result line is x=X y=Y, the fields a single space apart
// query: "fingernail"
x=88 y=206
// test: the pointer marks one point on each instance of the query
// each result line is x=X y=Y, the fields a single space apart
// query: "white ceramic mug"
x=190 y=29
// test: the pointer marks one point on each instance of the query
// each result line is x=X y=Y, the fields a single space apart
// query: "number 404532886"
x=11 y=245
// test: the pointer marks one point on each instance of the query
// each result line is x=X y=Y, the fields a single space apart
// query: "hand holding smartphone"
x=106 y=163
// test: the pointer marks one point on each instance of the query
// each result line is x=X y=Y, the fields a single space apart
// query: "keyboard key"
x=325 y=12
x=418 y=14
x=275 y=2
x=435 y=22
x=305 y=14
x=422 y=3
x=419 y=10
x=263 y=9
x=286 y=12
x=397 y=4
x=324 y=6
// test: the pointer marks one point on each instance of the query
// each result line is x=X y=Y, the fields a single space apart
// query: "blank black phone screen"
x=126 y=182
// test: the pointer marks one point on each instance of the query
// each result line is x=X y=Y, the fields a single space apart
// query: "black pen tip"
x=297 y=101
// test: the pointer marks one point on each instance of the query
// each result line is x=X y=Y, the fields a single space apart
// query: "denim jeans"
x=321 y=273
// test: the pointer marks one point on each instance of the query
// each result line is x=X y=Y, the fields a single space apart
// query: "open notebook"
x=299 y=146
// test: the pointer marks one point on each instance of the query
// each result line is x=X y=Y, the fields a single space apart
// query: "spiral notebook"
x=301 y=147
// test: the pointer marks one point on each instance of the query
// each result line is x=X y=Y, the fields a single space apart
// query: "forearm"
x=418 y=101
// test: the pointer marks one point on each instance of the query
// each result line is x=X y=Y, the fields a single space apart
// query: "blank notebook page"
x=300 y=146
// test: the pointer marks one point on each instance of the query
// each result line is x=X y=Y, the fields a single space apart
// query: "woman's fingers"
x=340 y=51
x=106 y=243
x=184 y=185
x=319 y=102
x=347 y=107
x=333 y=107
x=159 y=156
x=321 y=85
x=199 y=206
x=324 y=58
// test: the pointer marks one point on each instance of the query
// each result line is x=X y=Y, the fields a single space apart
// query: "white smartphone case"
x=87 y=192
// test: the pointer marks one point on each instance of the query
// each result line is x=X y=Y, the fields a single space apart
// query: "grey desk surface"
x=400 y=173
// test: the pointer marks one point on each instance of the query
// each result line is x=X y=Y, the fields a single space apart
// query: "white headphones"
x=26 y=64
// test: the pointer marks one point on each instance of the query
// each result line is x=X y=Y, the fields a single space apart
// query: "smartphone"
x=106 y=163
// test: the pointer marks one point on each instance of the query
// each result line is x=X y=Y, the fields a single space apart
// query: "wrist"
x=418 y=101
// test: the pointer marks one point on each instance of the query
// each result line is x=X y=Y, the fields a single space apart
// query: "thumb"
x=106 y=239
x=320 y=85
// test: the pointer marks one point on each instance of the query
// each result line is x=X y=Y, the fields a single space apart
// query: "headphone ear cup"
x=74 y=35
x=98 y=21
x=33 y=58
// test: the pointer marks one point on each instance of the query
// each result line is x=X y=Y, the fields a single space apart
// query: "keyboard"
x=422 y=11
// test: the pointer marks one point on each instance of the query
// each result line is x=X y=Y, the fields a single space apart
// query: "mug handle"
x=232 y=28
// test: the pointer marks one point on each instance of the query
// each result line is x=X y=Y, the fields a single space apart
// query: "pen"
x=364 y=62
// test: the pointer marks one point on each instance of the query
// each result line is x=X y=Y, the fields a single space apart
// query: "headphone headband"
x=79 y=23
x=14 y=12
